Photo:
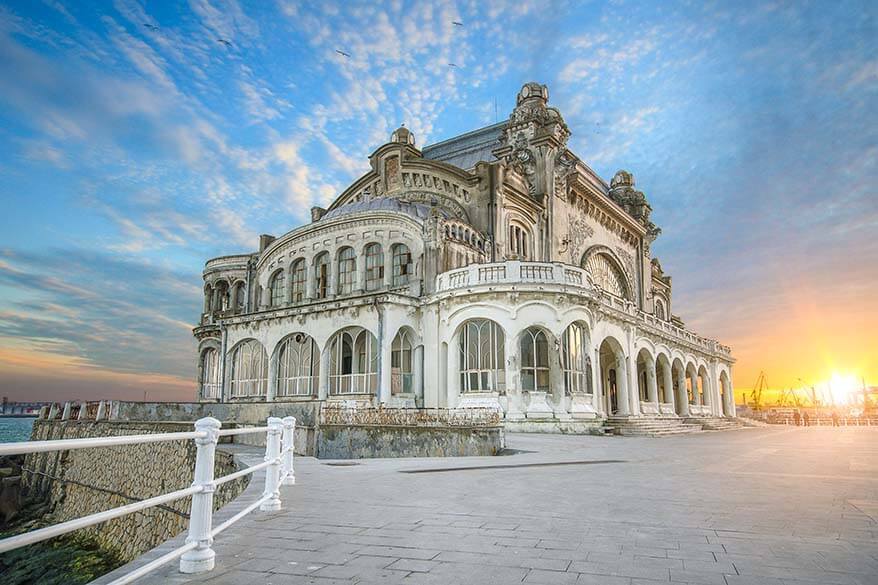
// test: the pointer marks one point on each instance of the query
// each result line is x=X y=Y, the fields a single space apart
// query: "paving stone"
x=697 y=509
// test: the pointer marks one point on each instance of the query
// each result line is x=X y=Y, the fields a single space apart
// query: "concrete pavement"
x=766 y=506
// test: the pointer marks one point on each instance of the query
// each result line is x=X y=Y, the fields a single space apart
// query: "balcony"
x=572 y=279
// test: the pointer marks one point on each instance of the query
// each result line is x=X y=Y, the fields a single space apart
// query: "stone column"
x=388 y=266
x=271 y=391
x=681 y=394
x=597 y=403
x=452 y=377
x=730 y=393
x=384 y=355
x=669 y=387
x=332 y=289
x=323 y=374
x=652 y=386
x=265 y=300
x=514 y=399
x=622 y=400
x=633 y=386
x=418 y=373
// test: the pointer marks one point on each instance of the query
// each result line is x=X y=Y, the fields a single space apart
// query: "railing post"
x=272 y=472
x=289 y=443
x=100 y=413
x=201 y=512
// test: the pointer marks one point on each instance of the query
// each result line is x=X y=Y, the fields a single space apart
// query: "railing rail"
x=197 y=554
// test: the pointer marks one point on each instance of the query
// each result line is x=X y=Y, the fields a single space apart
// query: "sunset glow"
x=134 y=152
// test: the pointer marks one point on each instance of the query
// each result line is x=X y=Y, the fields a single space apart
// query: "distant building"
x=494 y=269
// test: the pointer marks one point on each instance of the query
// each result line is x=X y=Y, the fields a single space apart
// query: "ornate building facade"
x=494 y=269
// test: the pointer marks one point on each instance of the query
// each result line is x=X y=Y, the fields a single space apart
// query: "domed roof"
x=418 y=211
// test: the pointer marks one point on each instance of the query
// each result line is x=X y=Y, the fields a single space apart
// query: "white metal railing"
x=196 y=555
x=353 y=383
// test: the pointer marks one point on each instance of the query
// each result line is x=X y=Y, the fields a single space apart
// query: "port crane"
x=756 y=393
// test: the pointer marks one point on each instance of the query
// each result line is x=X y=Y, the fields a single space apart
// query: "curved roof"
x=418 y=211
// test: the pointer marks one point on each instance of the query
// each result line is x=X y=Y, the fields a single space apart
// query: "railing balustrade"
x=197 y=554
x=518 y=272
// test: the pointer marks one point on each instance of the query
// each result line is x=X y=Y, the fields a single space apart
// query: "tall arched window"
x=353 y=362
x=240 y=298
x=208 y=299
x=401 y=363
x=660 y=311
x=374 y=267
x=249 y=376
x=277 y=289
x=534 y=349
x=297 y=366
x=519 y=244
x=606 y=274
x=482 y=361
x=298 y=275
x=575 y=360
x=402 y=264
x=210 y=374
x=321 y=275
x=347 y=267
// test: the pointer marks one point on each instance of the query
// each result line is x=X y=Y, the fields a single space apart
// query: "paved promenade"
x=767 y=506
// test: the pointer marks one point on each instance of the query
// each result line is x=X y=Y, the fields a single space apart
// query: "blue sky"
x=134 y=145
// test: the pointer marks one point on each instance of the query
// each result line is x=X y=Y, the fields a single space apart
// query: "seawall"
x=84 y=481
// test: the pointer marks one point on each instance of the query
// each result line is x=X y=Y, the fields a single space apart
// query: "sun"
x=843 y=387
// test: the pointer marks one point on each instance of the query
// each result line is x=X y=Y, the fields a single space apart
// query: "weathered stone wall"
x=359 y=442
x=232 y=414
x=84 y=481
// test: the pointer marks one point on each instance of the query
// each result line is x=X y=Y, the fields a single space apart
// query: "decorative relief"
x=627 y=260
x=580 y=232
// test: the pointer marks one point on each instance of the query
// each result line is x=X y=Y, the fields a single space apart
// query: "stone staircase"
x=649 y=426
x=715 y=423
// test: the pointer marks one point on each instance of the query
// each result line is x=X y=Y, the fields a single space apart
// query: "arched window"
x=660 y=311
x=534 y=349
x=249 y=370
x=519 y=244
x=208 y=299
x=210 y=374
x=374 y=267
x=240 y=298
x=575 y=360
x=297 y=366
x=606 y=274
x=482 y=361
x=277 y=289
x=321 y=275
x=353 y=362
x=401 y=363
x=298 y=275
x=347 y=267
x=402 y=264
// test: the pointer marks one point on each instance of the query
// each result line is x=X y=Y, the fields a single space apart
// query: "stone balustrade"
x=573 y=279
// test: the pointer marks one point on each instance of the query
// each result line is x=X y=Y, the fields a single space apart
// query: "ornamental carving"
x=580 y=232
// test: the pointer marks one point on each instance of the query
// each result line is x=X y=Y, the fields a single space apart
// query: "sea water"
x=15 y=429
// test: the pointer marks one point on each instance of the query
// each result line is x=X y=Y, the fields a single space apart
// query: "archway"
x=353 y=362
x=482 y=356
x=646 y=383
x=726 y=398
x=614 y=377
x=704 y=388
x=576 y=360
x=664 y=379
x=210 y=375
x=249 y=370
x=678 y=373
x=298 y=365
